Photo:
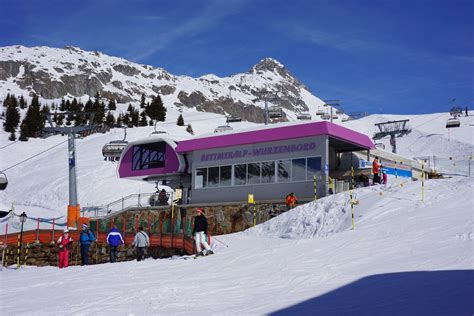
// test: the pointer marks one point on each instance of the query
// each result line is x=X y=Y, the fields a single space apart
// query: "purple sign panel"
x=259 y=151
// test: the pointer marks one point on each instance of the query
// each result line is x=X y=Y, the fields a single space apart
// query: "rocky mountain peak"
x=267 y=64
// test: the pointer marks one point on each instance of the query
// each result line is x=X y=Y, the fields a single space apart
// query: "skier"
x=114 y=239
x=140 y=242
x=200 y=232
x=86 y=238
x=64 y=243
x=376 y=170
x=291 y=201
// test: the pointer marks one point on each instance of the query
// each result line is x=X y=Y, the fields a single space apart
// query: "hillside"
x=53 y=73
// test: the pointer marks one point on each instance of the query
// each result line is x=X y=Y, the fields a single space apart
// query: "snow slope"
x=40 y=185
x=405 y=257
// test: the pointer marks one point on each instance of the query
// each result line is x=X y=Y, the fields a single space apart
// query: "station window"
x=284 y=170
x=148 y=156
x=253 y=173
x=268 y=172
x=240 y=174
x=200 y=180
x=226 y=176
x=313 y=167
x=213 y=177
x=298 y=169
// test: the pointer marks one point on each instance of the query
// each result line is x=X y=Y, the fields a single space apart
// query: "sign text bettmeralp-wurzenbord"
x=255 y=152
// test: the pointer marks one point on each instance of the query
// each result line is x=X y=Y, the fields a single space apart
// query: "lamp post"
x=22 y=220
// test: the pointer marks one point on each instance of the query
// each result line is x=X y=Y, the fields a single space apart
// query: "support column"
x=73 y=209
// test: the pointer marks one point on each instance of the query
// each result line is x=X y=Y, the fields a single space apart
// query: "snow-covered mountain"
x=53 y=73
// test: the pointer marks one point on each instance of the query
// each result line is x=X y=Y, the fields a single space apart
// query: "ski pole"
x=220 y=241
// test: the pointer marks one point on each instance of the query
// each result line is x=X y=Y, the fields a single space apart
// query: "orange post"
x=73 y=214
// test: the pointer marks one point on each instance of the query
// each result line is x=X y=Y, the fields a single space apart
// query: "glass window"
x=313 y=166
x=253 y=173
x=148 y=156
x=201 y=178
x=226 y=175
x=240 y=173
x=298 y=169
x=268 y=172
x=213 y=177
x=284 y=170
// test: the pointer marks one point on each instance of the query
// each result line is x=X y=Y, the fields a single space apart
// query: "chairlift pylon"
x=3 y=181
x=113 y=149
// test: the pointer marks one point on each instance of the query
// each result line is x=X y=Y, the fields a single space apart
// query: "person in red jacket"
x=64 y=243
x=376 y=170
x=291 y=201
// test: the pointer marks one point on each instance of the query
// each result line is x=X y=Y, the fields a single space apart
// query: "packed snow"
x=404 y=257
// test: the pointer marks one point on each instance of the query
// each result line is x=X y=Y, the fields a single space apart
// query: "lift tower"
x=394 y=129
x=73 y=209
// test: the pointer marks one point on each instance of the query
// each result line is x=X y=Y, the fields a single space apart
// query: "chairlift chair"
x=159 y=133
x=346 y=119
x=113 y=149
x=326 y=116
x=232 y=119
x=303 y=116
x=335 y=116
x=320 y=112
x=453 y=122
x=3 y=181
x=275 y=112
x=223 y=128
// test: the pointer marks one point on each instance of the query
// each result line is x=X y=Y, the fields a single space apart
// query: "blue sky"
x=379 y=56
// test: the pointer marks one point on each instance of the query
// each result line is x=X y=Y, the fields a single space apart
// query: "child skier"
x=64 y=243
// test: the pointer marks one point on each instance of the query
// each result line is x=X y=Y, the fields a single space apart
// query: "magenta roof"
x=275 y=134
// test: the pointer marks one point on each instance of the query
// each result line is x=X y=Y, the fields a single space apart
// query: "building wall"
x=302 y=148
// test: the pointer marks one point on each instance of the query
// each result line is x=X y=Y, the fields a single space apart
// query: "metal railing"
x=460 y=166
x=132 y=200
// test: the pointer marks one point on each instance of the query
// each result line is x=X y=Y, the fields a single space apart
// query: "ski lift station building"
x=269 y=162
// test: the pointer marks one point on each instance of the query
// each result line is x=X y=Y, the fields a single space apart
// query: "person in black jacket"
x=200 y=232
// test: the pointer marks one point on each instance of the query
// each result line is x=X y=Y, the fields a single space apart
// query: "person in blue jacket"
x=114 y=239
x=86 y=238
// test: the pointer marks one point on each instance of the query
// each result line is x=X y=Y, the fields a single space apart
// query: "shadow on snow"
x=403 y=293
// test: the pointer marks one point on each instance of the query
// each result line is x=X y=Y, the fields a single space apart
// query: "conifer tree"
x=12 y=136
x=6 y=101
x=110 y=120
x=189 y=129
x=142 y=101
x=126 y=120
x=24 y=132
x=120 y=120
x=62 y=106
x=112 y=106
x=156 y=110
x=180 y=121
x=34 y=119
x=143 y=119
x=12 y=116
x=22 y=103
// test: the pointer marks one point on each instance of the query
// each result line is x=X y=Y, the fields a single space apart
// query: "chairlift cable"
x=25 y=160
x=10 y=144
